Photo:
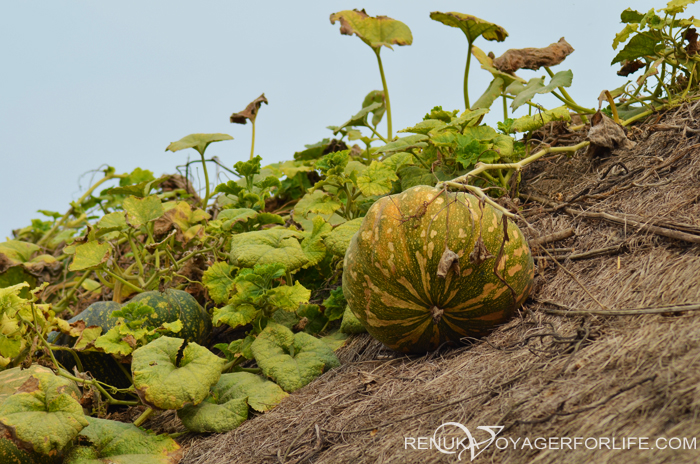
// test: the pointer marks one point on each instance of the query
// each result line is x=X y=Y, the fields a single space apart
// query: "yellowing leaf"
x=165 y=382
x=374 y=31
x=89 y=255
x=141 y=211
x=267 y=247
x=376 y=179
x=317 y=202
x=472 y=26
x=288 y=298
x=218 y=280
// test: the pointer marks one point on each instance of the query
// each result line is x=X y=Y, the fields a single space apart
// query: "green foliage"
x=42 y=414
x=110 y=441
x=291 y=360
x=166 y=379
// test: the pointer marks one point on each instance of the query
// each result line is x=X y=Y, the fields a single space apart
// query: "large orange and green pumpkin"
x=416 y=274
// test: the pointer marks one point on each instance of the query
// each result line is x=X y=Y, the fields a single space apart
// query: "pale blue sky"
x=88 y=83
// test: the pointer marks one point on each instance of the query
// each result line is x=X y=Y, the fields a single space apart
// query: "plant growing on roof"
x=666 y=48
x=472 y=27
x=376 y=32
x=199 y=142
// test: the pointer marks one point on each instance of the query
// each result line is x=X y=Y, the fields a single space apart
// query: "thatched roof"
x=542 y=374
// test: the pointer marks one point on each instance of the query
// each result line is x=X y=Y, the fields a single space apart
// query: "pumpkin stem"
x=436 y=313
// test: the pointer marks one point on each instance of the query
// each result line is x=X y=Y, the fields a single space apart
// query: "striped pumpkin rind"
x=390 y=271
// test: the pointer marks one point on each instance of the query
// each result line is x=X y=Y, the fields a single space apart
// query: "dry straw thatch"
x=544 y=374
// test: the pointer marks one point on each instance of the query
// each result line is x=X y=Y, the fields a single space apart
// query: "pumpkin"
x=420 y=270
x=169 y=306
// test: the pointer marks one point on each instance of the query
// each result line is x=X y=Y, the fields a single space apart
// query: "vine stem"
x=206 y=181
x=386 y=93
x=461 y=182
x=80 y=201
x=252 y=142
x=144 y=415
x=466 y=76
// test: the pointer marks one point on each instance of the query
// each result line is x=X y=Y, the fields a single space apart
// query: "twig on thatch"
x=619 y=312
x=573 y=276
x=595 y=405
x=555 y=237
x=283 y=458
x=626 y=221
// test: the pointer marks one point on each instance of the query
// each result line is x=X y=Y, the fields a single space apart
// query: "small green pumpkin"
x=169 y=306
x=412 y=275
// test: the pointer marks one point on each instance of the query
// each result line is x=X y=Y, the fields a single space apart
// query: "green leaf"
x=415 y=175
x=376 y=179
x=374 y=31
x=624 y=34
x=425 y=126
x=113 y=342
x=223 y=410
x=677 y=6
x=317 y=202
x=140 y=212
x=397 y=160
x=18 y=251
x=114 y=220
x=359 y=119
x=262 y=394
x=536 y=86
x=313 y=246
x=137 y=176
x=288 y=298
x=90 y=255
x=235 y=315
x=231 y=217
x=438 y=113
x=313 y=151
x=199 y=142
x=472 y=26
x=631 y=16
x=404 y=144
x=315 y=319
x=229 y=188
x=375 y=96
x=164 y=383
x=268 y=246
x=338 y=240
x=122 y=443
x=291 y=360
x=140 y=190
x=87 y=338
x=534 y=122
x=639 y=45
x=218 y=280
x=491 y=94
x=42 y=414
x=335 y=340
x=335 y=304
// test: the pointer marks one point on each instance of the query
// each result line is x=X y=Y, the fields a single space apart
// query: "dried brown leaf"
x=480 y=252
x=605 y=135
x=693 y=46
x=533 y=58
x=250 y=111
x=448 y=261
x=630 y=67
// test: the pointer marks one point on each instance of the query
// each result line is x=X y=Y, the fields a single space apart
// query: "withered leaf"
x=693 y=46
x=533 y=58
x=605 y=135
x=250 y=111
x=630 y=67
x=448 y=261
x=480 y=252
x=375 y=31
